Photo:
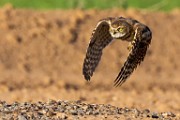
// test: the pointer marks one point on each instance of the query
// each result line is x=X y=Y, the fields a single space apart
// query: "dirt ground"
x=42 y=53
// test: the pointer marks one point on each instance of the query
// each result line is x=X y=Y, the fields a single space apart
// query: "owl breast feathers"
x=126 y=29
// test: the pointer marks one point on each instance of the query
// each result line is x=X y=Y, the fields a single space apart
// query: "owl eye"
x=121 y=29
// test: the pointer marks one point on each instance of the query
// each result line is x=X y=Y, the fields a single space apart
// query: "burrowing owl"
x=127 y=29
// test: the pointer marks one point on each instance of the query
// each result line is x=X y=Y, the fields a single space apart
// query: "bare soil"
x=42 y=52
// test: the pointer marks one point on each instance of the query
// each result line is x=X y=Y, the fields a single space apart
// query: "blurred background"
x=165 y=5
x=43 y=45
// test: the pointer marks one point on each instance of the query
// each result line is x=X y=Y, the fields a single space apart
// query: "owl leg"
x=131 y=45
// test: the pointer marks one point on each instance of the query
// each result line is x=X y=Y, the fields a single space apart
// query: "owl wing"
x=142 y=39
x=99 y=40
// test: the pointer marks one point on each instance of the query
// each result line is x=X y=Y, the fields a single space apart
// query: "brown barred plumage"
x=100 y=38
x=135 y=57
x=117 y=28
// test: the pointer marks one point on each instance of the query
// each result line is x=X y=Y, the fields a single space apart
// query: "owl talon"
x=129 y=47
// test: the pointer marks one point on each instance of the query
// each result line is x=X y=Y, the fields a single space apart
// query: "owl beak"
x=112 y=31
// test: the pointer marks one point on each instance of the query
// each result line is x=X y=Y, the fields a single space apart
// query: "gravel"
x=61 y=110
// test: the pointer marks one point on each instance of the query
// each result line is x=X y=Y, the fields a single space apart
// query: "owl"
x=109 y=29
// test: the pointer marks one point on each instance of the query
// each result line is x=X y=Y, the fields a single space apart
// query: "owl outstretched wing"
x=99 y=40
x=142 y=39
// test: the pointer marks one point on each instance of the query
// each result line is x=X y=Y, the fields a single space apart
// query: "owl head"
x=119 y=29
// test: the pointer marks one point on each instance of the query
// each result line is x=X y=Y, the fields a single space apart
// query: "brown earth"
x=42 y=52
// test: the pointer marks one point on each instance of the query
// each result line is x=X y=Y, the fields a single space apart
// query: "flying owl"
x=126 y=29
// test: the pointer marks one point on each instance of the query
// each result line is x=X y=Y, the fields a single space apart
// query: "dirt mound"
x=42 y=52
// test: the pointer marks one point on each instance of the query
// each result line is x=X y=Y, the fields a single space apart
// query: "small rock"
x=168 y=114
x=146 y=111
x=85 y=107
x=50 y=113
x=40 y=113
x=21 y=117
x=126 y=109
x=68 y=107
x=148 y=115
x=75 y=117
x=7 y=111
x=136 y=112
x=96 y=112
x=73 y=112
x=155 y=115
x=89 y=112
x=63 y=116
x=52 y=102
x=80 y=112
